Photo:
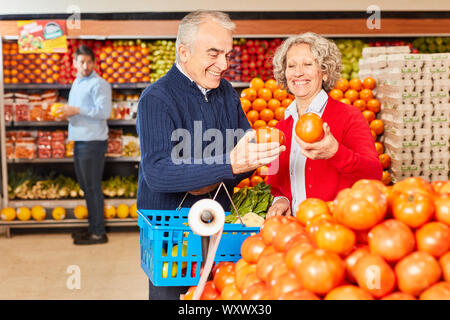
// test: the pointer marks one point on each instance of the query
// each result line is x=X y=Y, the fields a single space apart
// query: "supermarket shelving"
x=167 y=29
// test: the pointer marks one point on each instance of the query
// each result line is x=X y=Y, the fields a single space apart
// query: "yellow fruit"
x=55 y=109
x=80 y=212
x=23 y=214
x=59 y=213
x=109 y=212
x=38 y=213
x=8 y=214
x=133 y=211
x=166 y=269
x=123 y=211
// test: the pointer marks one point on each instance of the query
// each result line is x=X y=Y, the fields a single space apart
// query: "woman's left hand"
x=323 y=149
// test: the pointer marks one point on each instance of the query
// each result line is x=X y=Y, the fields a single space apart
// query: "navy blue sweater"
x=185 y=141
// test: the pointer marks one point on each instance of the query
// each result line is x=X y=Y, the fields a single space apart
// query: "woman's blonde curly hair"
x=324 y=51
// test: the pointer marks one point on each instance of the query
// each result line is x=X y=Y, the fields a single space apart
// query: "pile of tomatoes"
x=372 y=242
x=360 y=94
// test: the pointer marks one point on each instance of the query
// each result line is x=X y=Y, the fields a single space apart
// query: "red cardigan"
x=355 y=159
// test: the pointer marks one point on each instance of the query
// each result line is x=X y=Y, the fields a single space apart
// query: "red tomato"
x=277 y=272
x=242 y=273
x=269 y=134
x=399 y=296
x=230 y=292
x=442 y=203
x=360 y=208
x=257 y=291
x=391 y=239
x=417 y=272
x=210 y=292
x=320 y=271
x=219 y=265
x=296 y=253
x=190 y=293
x=301 y=294
x=440 y=291
x=414 y=209
x=414 y=185
x=311 y=208
x=270 y=228
x=248 y=281
x=335 y=237
x=374 y=275
x=444 y=261
x=309 y=128
x=224 y=276
x=433 y=238
x=285 y=233
x=352 y=259
x=285 y=283
x=267 y=263
x=252 y=247
x=348 y=293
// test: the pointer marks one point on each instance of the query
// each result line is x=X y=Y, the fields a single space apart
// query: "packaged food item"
x=114 y=143
x=36 y=112
x=25 y=150
x=21 y=112
x=130 y=146
x=9 y=110
x=9 y=150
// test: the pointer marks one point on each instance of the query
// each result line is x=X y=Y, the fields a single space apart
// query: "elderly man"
x=191 y=126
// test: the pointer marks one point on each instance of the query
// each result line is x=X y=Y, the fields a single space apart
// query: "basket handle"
x=214 y=198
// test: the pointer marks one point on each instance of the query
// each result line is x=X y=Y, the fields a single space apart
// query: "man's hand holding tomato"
x=247 y=155
x=322 y=149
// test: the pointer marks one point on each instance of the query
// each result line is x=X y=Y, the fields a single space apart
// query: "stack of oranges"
x=264 y=103
x=359 y=94
x=256 y=178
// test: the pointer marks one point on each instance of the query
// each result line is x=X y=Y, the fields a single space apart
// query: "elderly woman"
x=309 y=65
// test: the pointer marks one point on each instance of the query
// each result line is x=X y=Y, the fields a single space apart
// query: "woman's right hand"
x=279 y=208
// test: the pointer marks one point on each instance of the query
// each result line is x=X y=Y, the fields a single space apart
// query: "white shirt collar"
x=203 y=90
x=317 y=106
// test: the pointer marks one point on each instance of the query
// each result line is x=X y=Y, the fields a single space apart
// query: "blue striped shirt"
x=92 y=94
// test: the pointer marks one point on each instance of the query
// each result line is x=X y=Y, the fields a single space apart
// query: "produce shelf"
x=69 y=160
x=65 y=203
x=131 y=122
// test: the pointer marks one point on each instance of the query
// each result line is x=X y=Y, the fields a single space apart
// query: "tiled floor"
x=48 y=266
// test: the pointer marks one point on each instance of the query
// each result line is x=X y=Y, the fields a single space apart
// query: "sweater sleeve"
x=102 y=96
x=163 y=169
x=356 y=155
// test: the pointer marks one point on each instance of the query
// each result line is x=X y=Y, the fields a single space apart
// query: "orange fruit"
x=266 y=115
x=373 y=105
x=374 y=135
x=360 y=104
x=246 y=104
x=286 y=102
x=249 y=93
x=257 y=83
x=386 y=178
x=377 y=125
x=271 y=84
x=336 y=94
x=355 y=84
x=258 y=124
x=346 y=101
x=352 y=95
x=280 y=94
x=342 y=84
x=259 y=104
x=379 y=147
x=273 y=104
x=366 y=94
x=279 y=113
x=252 y=116
x=272 y=123
x=265 y=94
x=255 y=180
x=369 y=83
x=369 y=115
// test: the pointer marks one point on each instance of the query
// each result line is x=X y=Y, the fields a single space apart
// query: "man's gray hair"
x=187 y=29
